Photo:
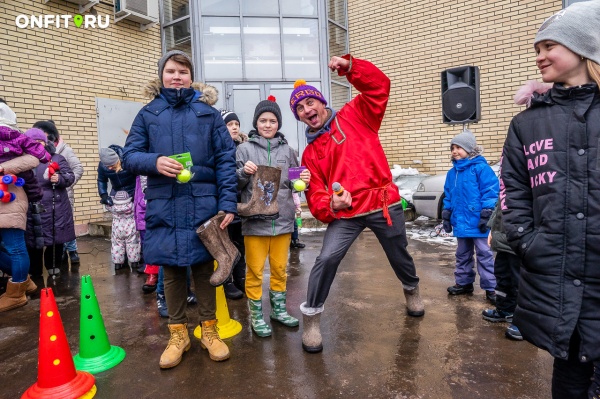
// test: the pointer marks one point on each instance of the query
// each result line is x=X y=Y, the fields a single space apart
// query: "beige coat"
x=13 y=215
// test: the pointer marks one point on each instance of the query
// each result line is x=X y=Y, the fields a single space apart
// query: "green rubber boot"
x=259 y=326
x=279 y=311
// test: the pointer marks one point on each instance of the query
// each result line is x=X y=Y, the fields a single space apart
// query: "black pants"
x=176 y=292
x=340 y=235
x=39 y=256
x=571 y=379
x=235 y=235
x=506 y=270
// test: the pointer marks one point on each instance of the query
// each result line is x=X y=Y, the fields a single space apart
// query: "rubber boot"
x=263 y=203
x=150 y=283
x=178 y=344
x=14 y=296
x=311 y=335
x=30 y=288
x=259 y=326
x=414 y=303
x=217 y=350
x=278 y=309
x=218 y=244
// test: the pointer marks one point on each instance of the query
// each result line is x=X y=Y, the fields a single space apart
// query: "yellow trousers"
x=257 y=249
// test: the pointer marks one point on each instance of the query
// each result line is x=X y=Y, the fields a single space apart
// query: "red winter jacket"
x=350 y=151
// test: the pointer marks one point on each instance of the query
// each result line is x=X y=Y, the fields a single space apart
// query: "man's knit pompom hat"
x=577 y=27
x=465 y=140
x=302 y=91
x=268 y=105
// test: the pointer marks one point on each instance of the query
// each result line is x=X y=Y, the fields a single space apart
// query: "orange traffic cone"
x=57 y=377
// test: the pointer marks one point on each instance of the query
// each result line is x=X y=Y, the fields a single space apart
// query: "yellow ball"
x=299 y=185
x=184 y=176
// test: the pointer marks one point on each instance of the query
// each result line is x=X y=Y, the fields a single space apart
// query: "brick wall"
x=412 y=42
x=57 y=73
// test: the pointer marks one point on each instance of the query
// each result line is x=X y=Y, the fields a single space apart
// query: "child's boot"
x=259 y=326
x=279 y=311
x=458 y=289
x=150 y=284
x=179 y=342
x=217 y=350
x=161 y=305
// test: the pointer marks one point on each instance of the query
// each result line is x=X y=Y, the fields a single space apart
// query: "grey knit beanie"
x=108 y=157
x=8 y=117
x=268 y=105
x=163 y=60
x=577 y=27
x=465 y=140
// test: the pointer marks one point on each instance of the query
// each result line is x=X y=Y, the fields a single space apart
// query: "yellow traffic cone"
x=227 y=327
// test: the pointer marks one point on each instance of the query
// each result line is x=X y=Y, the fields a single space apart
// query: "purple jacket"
x=14 y=143
x=139 y=202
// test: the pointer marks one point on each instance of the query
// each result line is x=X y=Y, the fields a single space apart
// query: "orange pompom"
x=299 y=82
x=271 y=98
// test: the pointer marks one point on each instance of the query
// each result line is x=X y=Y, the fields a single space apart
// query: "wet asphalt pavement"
x=372 y=349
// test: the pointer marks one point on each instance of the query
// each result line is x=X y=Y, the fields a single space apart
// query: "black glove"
x=484 y=218
x=106 y=200
x=446 y=213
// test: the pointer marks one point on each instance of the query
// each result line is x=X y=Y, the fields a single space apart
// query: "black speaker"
x=460 y=95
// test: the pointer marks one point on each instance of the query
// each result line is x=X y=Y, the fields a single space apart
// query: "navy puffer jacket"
x=178 y=121
x=551 y=213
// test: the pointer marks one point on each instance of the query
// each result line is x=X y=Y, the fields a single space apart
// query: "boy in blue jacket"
x=470 y=194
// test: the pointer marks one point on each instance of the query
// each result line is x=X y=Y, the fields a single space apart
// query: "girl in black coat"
x=551 y=200
x=57 y=221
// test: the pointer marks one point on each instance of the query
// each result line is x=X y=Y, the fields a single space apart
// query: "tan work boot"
x=217 y=350
x=178 y=343
x=414 y=303
x=14 y=296
x=30 y=288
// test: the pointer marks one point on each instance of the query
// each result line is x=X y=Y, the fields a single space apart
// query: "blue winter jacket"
x=177 y=121
x=471 y=185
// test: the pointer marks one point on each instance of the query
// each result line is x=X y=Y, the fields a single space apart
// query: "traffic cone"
x=227 y=327
x=57 y=377
x=96 y=354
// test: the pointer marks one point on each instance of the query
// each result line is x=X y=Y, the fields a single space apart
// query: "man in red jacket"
x=344 y=147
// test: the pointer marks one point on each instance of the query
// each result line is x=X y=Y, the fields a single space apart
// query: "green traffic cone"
x=96 y=354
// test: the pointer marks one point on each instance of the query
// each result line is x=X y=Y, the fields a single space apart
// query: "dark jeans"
x=38 y=255
x=176 y=292
x=340 y=235
x=506 y=270
x=235 y=235
x=13 y=256
x=571 y=379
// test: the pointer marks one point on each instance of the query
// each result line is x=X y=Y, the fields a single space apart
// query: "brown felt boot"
x=178 y=344
x=263 y=203
x=14 y=296
x=218 y=244
x=31 y=287
x=217 y=349
x=414 y=303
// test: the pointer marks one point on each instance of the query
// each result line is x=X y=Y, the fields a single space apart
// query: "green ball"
x=299 y=185
x=184 y=176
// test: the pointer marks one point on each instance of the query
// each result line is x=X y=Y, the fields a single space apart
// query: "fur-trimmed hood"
x=210 y=94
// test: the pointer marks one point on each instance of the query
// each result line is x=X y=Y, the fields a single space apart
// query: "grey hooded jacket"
x=271 y=152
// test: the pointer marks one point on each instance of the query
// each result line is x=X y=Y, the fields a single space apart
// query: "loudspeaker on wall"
x=460 y=95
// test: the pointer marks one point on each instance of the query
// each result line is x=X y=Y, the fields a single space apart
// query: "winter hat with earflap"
x=302 y=91
x=465 y=140
x=577 y=27
x=163 y=60
x=268 y=105
x=121 y=197
x=229 y=116
x=8 y=117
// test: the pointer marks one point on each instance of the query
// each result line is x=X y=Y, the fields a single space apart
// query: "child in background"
x=471 y=191
x=124 y=238
x=236 y=285
x=267 y=238
x=551 y=200
x=295 y=243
